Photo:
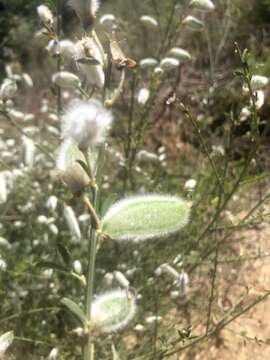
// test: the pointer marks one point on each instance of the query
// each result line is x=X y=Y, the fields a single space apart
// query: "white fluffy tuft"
x=86 y=123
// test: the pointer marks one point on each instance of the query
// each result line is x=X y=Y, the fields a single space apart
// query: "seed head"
x=86 y=123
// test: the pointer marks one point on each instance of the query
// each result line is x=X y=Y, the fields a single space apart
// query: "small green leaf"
x=75 y=309
x=64 y=253
x=51 y=265
x=88 y=61
x=5 y=341
x=145 y=217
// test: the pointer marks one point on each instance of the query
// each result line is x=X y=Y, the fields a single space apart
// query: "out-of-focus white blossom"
x=67 y=48
x=150 y=320
x=149 y=20
x=180 y=54
x=27 y=80
x=202 y=5
x=53 y=355
x=148 y=63
x=190 y=184
x=53 y=47
x=77 y=266
x=3 y=188
x=107 y=19
x=143 y=96
x=28 y=152
x=86 y=123
x=169 y=63
x=45 y=15
x=66 y=79
x=258 y=82
x=193 y=23
x=8 y=89
x=72 y=223
x=259 y=99
x=52 y=203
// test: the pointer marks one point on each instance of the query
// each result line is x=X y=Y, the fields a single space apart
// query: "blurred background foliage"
x=26 y=287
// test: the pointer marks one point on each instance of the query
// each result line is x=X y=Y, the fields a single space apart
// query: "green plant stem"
x=88 y=351
x=198 y=131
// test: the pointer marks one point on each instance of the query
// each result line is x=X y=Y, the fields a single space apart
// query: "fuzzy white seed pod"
x=149 y=21
x=168 y=269
x=107 y=19
x=86 y=123
x=181 y=54
x=158 y=216
x=148 y=63
x=108 y=278
x=53 y=47
x=158 y=271
x=190 y=184
x=244 y=114
x=147 y=156
x=53 y=229
x=77 y=266
x=42 y=219
x=4 y=243
x=66 y=79
x=67 y=48
x=143 y=96
x=183 y=284
x=16 y=115
x=150 y=320
x=52 y=203
x=169 y=63
x=158 y=71
x=202 y=5
x=87 y=50
x=174 y=294
x=27 y=80
x=3 y=264
x=139 y=329
x=113 y=311
x=28 y=152
x=45 y=15
x=53 y=355
x=258 y=82
x=121 y=279
x=72 y=223
x=8 y=89
x=86 y=10
x=6 y=340
x=3 y=188
x=259 y=95
x=193 y=23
